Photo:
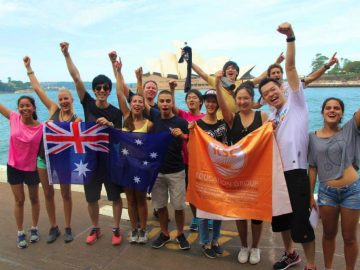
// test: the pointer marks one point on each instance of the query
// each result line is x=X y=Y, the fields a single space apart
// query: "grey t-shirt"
x=331 y=156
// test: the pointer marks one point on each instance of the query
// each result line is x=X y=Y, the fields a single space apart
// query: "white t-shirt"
x=292 y=130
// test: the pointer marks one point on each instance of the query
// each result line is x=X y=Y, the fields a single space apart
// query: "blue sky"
x=245 y=31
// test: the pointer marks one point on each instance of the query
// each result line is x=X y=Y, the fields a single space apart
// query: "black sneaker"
x=160 y=241
x=287 y=261
x=183 y=242
x=216 y=247
x=209 y=252
x=68 y=237
x=54 y=233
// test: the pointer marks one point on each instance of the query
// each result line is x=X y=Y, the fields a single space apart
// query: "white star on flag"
x=137 y=179
x=138 y=142
x=125 y=152
x=81 y=168
x=145 y=162
x=153 y=155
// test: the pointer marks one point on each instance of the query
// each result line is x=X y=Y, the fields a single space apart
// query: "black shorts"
x=297 y=222
x=93 y=189
x=16 y=176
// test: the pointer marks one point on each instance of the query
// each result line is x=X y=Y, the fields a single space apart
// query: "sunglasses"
x=99 y=87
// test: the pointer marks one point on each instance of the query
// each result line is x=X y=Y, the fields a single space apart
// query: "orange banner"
x=235 y=181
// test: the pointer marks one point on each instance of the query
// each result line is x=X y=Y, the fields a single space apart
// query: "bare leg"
x=309 y=250
x=330 y=218
x=288 y=243
x=117 y=209
x=349 y=224
x=256 y=230
x=35 y=204
x=164 y=219
x=242 y=230
x=93 y=209
x=67 y=203
x=180 y=220
x=132 y=208
x=49 y=196
x=142 y=208
x=19 y=197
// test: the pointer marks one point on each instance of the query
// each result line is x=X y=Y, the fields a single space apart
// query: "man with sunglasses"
x=100 y=111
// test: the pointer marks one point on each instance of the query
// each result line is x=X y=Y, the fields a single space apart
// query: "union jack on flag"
x=78 y=137
x=74 y=151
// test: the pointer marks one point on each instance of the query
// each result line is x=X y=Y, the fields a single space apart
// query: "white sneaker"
x=143 y=237
x=243 y=256
x=254 y=256
x=133 y=236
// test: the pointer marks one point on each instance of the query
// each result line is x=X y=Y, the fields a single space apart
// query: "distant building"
x=167 y=68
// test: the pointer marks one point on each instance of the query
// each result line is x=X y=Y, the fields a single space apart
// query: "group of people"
x=331 y=154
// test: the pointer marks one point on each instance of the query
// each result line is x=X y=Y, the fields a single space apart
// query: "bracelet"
x=111 y=124
x=290 y=39
x=30 y=72
x=326 y=66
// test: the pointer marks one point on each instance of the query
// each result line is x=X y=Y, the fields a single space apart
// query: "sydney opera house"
x=167 y=68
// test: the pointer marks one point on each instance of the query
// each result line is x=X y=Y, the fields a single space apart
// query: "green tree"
x=352 y=67
x=318 y=61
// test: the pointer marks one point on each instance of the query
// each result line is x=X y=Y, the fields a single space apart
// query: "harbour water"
x=314 y=99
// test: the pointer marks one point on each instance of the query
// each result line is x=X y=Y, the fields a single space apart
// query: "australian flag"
x=76 y=151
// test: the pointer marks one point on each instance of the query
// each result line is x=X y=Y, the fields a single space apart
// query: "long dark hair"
x=129 y=121
x=32 y=101
x=248 y=86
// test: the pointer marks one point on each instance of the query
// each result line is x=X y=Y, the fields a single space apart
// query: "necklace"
x=62 y=119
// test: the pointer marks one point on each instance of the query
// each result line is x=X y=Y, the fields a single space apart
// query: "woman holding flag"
x=134 y=122
x=24 y=141
x=217 y=129
x=241 y=124
x=61 y=112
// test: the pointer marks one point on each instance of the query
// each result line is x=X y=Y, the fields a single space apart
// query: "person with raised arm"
x=194 y=102
x=230 y=71
x=276 y=72
x=334 y=155
x=98 y=110
x=171 y=178
x=241 y=124
x=217 y=129
x=134 y=121
x=24 y=141
x=61 y=112
x=291 y=120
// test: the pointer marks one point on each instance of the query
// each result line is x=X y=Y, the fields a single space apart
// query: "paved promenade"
x=102 y=255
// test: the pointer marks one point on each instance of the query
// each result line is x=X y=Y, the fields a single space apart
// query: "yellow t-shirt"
x=229 y=98
x=143 y=129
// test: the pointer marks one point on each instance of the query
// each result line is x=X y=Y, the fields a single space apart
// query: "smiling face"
x=26 y=108
x=65 y=101
x=244 y=100
x=273 y=95
x=211 y=105
x=137 y=105
x=231 y=73
x=193 y=102
x=102 y=91
x=332 y=112
x=150 y=90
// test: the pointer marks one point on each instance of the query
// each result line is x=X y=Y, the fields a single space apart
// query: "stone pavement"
x=102 y=255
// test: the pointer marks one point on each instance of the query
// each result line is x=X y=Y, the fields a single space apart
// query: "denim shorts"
x=347 y=196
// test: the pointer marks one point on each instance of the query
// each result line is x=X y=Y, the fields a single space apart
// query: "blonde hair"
x=67 y=91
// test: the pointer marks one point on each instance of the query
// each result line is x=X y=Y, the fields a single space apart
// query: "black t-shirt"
x=93 y=112
x=173 y=161
x=238 y=131
x=219 y=130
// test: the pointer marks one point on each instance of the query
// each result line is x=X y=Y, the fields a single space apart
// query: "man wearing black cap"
x=100 y=111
